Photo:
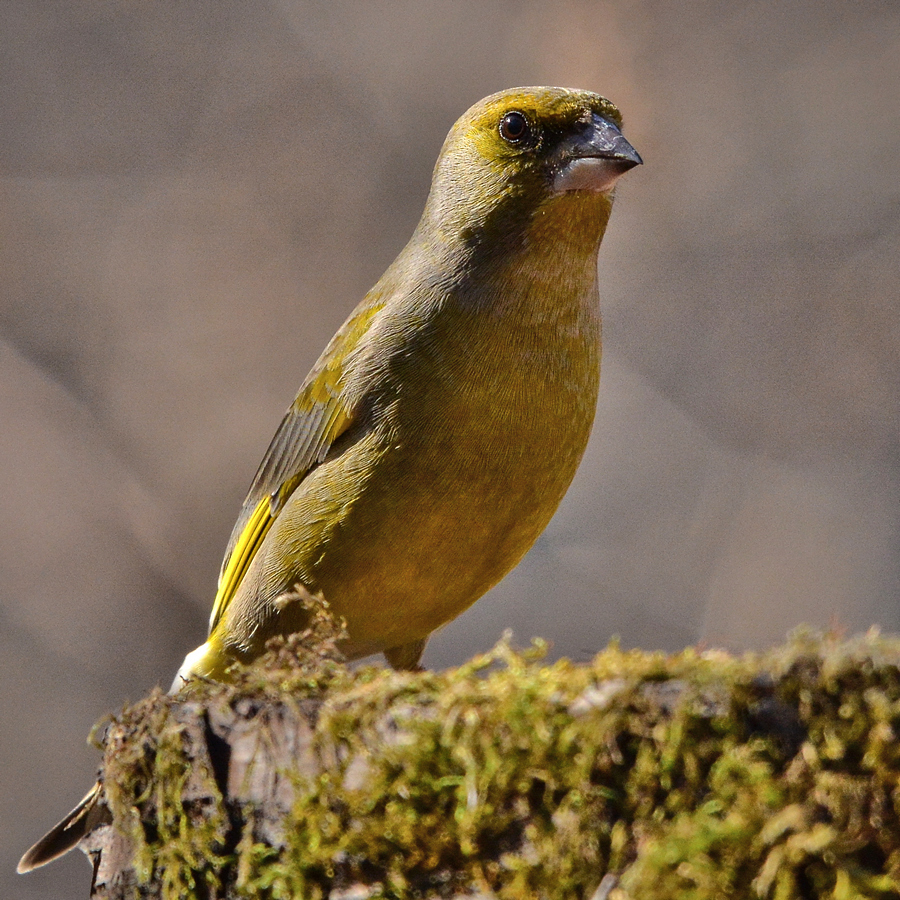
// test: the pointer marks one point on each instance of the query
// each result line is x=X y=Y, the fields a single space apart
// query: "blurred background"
x=194 y=196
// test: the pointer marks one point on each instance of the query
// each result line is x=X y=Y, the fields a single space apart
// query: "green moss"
x=151 y=763
x=699 y=775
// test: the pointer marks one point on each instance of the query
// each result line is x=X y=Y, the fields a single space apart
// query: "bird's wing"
x=317 y=417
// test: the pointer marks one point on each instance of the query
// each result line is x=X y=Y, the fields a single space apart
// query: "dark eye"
x=514 y=128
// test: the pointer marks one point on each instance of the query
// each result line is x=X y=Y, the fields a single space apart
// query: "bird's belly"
x=438 y=516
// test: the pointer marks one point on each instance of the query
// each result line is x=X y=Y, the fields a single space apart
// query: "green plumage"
x=438 y=432
x=436 y=435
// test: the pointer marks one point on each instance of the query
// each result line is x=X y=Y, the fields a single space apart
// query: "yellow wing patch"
x=314 y=421
x=244 y=550
x=329 y=420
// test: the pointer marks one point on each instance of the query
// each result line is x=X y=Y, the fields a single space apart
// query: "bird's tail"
x=60 y=839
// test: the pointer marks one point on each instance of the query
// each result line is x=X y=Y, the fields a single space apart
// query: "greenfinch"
x=437 y=433
x=440 y=428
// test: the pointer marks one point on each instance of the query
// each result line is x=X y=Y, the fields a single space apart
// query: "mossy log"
x=637 y=775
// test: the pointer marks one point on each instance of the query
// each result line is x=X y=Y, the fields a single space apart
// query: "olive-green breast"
x=479 y=417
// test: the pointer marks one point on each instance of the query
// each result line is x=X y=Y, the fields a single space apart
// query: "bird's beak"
x=593 y=157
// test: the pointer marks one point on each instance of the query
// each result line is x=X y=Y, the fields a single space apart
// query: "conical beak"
x=593 y=158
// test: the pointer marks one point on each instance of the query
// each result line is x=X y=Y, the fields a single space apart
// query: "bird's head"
x=515 y=150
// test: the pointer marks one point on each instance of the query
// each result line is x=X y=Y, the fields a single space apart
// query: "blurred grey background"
x=194 y=195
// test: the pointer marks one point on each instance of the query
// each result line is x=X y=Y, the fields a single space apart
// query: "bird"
x=440 y=428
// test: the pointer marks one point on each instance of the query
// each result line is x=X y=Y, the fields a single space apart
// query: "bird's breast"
x=491 y=419
x=478 y=404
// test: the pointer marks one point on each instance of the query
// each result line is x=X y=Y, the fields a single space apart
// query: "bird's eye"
x=514 y=128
